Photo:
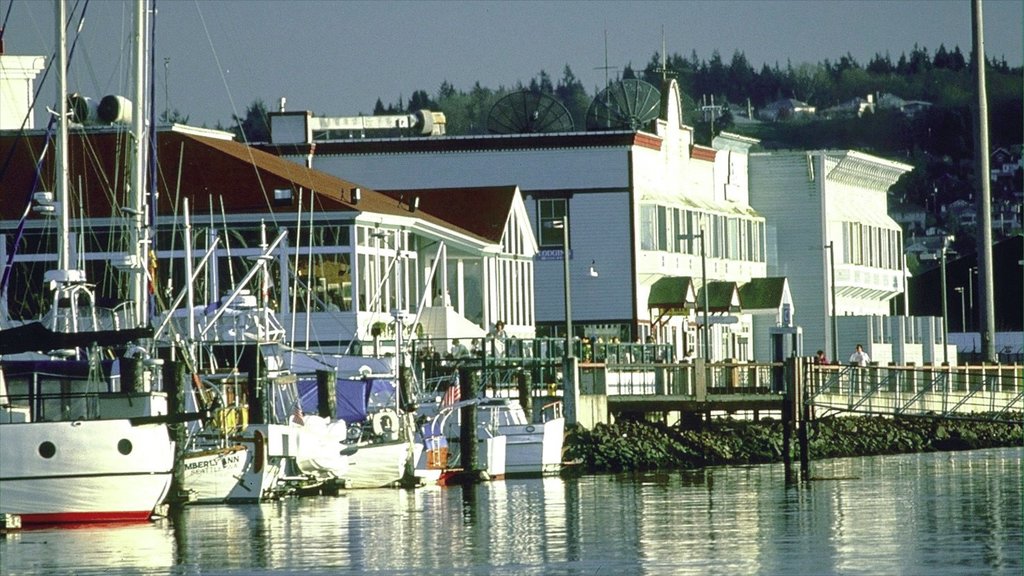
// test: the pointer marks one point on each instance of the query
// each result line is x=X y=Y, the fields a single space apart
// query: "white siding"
x=530 y=170
x=599 y=231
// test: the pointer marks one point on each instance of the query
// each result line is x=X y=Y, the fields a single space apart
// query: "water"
x=944 y=513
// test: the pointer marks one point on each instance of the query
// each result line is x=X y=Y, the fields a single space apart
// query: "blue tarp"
x=353 y=398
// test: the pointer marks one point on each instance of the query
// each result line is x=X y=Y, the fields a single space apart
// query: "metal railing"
x=993 y=392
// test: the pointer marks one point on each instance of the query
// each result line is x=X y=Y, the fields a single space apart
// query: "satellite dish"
x=527 y=112
x=624 y=105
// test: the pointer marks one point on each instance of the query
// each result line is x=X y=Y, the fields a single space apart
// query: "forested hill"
x=944 y=80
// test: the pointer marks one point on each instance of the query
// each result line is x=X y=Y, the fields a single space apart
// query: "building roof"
x=206 y=169
x=672 y=293
x=722 y=297
x=470 y=143
x=763 y=293
x=481 y=210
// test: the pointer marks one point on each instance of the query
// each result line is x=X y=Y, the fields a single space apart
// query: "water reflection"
x=88 y=548
x=927 y=513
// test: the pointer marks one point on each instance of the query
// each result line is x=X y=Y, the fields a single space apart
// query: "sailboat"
x=82 y=439
x=255 y=444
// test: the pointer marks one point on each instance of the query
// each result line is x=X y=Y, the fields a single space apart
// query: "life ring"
x=384 y=422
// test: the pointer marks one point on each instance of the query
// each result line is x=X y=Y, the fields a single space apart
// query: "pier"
x=645 y=380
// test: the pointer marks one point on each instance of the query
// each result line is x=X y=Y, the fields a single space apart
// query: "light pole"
x=963 y=309
x=564 y=225
x=706 y=341
x=945 y=316
x=971 y=273
x=569 y=353
x=832 y=281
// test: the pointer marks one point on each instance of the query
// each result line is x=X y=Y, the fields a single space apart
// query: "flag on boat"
x=452 y=394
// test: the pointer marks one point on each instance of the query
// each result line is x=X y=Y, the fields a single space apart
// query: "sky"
x=336 y=58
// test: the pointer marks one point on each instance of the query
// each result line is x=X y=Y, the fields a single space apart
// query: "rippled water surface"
x=947 y=513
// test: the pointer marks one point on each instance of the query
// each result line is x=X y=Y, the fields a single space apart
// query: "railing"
x=501 y=362
x=996 y=391
x=686 y=379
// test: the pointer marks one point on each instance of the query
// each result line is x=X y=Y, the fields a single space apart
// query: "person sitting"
x=459 y=349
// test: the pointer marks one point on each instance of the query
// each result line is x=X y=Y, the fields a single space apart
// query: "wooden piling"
x=802 y=393
x=467 y=430
x=255 y=388
x=788 y=417
x=523 y=380
x=326 y=395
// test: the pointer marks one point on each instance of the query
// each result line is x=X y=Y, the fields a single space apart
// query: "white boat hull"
x=379 y=465
x=214 y=475
x=84 y=470
x=533 y=449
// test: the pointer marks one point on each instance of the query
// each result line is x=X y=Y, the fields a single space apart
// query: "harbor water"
x=950 y=513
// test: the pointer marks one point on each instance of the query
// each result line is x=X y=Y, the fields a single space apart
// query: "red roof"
x=481 y=210
x=204 y=169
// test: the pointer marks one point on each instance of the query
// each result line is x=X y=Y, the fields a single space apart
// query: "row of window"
x=679 y=230
x=873 y=246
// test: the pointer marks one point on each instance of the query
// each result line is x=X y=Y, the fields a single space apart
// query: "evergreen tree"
x=255 y=127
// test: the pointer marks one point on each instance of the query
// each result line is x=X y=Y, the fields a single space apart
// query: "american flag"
x=452 y=394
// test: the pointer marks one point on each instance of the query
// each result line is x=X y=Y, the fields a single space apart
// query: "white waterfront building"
x=636 y=199
x=829 y=204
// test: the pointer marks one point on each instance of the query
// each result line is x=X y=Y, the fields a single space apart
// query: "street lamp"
x=564 y=225
x=832 y=281
x=971 y=273
x=963 y=309
x=704 y=282
x=945 y=316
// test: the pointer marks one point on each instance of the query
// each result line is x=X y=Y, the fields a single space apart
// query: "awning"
x=722 y=297
x=672 y=293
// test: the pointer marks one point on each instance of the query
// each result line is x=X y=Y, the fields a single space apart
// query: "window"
x=551 y=212
x=648 y=227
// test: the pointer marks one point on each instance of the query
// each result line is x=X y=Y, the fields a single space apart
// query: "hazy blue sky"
x=337 y=57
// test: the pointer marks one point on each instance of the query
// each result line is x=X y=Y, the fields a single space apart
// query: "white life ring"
x=384 y=422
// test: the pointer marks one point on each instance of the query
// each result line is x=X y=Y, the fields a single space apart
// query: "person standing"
x=859 y=357
x=498 y=338
x=820 y=358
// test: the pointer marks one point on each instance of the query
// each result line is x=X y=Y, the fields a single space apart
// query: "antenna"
x=663 y=69
x=606 y=67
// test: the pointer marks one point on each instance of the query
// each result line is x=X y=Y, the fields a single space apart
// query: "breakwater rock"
x=643 y=445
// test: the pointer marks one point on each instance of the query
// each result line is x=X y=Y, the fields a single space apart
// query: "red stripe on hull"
x=86 y=517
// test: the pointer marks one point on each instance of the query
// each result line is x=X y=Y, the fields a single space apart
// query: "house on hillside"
x=785 y=109
x=912 y=217
x=853 y=108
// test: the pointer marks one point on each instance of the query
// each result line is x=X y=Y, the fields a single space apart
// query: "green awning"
x=763 y=293
x=672 y=293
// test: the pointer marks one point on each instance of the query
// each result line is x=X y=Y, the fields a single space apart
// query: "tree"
x=420 y=100
x=255 y=127
x=173 y=117
x=571 y=93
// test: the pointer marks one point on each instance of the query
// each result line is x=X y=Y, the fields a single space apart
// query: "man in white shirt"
x=860 y=357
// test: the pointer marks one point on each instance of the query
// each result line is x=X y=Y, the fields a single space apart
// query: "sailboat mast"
x=61 y=151
x=139 y=227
